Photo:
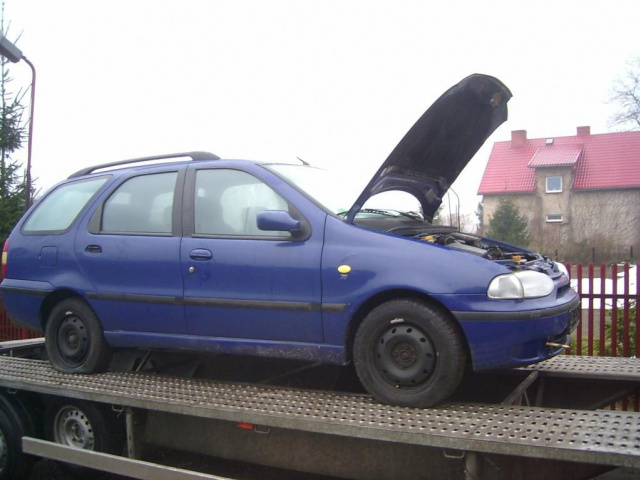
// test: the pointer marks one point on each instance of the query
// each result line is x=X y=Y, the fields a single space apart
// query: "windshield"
x=337 y=193
x=334 y=192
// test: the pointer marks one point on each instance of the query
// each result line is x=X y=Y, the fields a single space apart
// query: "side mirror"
x=277 y=221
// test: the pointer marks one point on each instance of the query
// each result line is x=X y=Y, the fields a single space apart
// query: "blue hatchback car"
x=262 y=259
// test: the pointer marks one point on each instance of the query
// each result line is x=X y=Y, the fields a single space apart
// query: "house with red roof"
x=579 y=192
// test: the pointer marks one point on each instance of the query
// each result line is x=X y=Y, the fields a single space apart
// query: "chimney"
x=584 y=131
x=518 y=138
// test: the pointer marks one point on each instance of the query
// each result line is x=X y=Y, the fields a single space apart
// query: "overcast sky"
x=337 y=83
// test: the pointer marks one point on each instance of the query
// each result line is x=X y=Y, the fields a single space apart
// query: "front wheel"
x=74 y=339
x=409 y=353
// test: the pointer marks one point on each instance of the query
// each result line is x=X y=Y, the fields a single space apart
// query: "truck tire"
x=15 y=423
x=74 y=338
x=83 y=424
x=408 y=353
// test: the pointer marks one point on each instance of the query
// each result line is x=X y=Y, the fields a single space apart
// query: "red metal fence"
x=608 y=321
x=609 y=312
x=8 y=331
x=609 y=315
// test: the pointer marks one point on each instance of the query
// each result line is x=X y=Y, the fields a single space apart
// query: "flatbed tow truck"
x=539 y=422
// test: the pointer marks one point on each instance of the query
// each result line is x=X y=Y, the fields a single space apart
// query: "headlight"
x=562 y=268
x=518 y=285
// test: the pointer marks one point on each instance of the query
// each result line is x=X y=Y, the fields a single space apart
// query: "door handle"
x=200 y=254
x=93 y=249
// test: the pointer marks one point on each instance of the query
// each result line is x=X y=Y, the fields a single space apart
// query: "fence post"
x=635 y=320
x=590 y=312
x=579 y=329
x=625 y=312
x=614 y=311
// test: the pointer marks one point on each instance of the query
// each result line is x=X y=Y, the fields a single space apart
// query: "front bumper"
x=500 y=340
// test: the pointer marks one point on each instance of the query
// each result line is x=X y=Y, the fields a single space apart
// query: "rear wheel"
x=409 y=353
x=74 y=339
x=84 y=425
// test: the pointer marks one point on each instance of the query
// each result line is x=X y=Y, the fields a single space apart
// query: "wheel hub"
x=405 y=356
x=74 y=429
x=73 y=338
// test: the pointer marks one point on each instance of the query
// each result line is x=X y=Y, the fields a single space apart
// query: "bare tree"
x=608 y=221
x=625 y=93
x=466 y=222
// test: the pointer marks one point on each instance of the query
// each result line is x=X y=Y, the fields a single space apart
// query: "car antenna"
x=302 y=161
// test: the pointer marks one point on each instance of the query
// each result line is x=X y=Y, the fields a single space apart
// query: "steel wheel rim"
x=72 y=428
x=73 y=338
x=405 y=356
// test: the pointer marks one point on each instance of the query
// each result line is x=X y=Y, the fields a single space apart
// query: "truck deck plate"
x=600 y=437
x=603 y=368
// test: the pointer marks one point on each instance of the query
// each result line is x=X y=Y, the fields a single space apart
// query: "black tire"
x=85 y=425
x=15 y=423
x=409 y=353
x=74 y=338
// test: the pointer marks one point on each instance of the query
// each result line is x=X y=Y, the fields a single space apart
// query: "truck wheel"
x=82 y=424
x=74 y=339
x=409 y=353
x=14 y=425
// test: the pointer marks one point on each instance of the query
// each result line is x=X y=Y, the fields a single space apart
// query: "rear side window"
x=141 y=205
x=61 y=207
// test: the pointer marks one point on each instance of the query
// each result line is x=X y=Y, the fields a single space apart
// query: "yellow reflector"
x=344 y=269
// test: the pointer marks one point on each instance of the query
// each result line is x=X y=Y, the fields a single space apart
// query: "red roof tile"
x=608 y=161
x=552 y=155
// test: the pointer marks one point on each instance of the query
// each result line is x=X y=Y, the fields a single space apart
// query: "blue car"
x=243 y=257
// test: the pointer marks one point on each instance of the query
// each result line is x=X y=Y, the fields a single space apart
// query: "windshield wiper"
x=412 y=215
x=378 y=211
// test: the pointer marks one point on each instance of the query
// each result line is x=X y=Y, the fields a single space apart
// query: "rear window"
x=61 y=207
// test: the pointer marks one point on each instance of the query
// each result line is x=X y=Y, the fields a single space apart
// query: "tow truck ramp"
x=519 y=441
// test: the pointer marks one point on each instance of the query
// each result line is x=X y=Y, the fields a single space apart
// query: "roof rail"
x=195 y=156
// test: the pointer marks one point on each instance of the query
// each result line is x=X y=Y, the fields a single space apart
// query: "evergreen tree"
x=12 y=135
x=508 y=225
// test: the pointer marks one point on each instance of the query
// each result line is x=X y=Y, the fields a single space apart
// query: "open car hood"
x=437 y=148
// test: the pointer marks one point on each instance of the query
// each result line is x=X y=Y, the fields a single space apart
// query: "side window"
x=61 y=207
x=554 y=184
x=142 y=204
x=554 y=217
x=227 y=202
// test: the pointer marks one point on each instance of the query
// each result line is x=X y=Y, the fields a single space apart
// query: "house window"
x=554 y=217
x=554 y=184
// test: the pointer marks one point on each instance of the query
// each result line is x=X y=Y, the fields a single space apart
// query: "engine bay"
x=412 y=225
x=479 y=246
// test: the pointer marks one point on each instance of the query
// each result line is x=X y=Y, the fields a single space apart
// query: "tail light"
x=5 y=251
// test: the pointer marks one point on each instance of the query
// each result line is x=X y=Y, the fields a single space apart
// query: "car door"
x=130 y=251
x=241 y=282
